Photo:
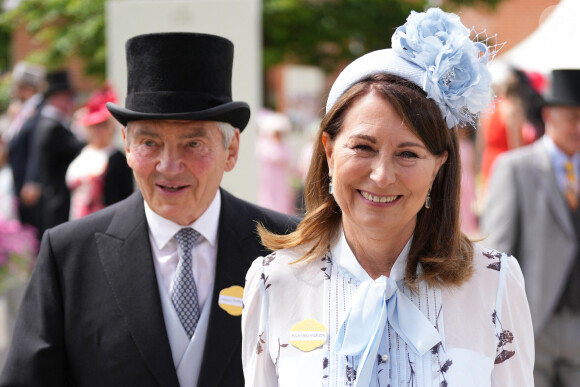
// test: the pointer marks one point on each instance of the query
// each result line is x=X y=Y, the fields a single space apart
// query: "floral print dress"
x=293 y=313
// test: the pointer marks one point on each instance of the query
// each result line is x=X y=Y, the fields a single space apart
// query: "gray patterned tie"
x=184 y=290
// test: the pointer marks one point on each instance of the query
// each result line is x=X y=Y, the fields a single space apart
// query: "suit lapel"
x=236 y=245
x=125 y=253
x=545 y=179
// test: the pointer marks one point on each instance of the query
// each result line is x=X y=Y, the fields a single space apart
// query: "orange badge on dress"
x=308 y=335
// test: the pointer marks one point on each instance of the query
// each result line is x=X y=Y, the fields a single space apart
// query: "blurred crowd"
x=58 y=158
x=60 y=161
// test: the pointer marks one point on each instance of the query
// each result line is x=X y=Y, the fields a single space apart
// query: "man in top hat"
x=54 y=147
x=147 y=292
x=532 y=212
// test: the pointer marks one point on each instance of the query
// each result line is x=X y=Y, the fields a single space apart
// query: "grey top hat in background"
x=564 y=88
x=29 y=74
x=180 y=76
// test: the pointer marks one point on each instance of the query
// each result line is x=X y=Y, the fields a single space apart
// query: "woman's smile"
x=377 y=198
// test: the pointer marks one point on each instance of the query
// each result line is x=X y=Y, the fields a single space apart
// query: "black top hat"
x=57 y=81
x=564 y=88
x=180 y=76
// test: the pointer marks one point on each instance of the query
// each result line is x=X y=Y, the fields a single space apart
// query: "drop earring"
x=330 y=190
x=428 y=199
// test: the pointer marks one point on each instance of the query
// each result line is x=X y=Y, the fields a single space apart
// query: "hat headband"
x=434 y=51
x=173 y=101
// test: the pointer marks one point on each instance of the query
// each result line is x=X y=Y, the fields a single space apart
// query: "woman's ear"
x=440 y=161
x=328 y=144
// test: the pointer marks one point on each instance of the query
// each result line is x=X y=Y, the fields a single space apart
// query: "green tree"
x=327 y=32
x=65 y=28
x=318 y=32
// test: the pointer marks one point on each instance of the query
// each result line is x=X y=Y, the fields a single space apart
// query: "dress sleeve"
x=514 y=362
x=259 y=370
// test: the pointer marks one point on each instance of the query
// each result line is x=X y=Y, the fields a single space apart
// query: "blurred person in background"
x=8 y=202
x=378 y=286
x=512 y=121
x=99 y=176
x=29 y=84
x=532 y=212
x=303 y=163
x=275 y=162
x=56 y=147
x=468 y=207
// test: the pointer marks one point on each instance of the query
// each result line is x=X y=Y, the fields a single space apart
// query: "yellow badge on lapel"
x=308 y=335
x=231 y=300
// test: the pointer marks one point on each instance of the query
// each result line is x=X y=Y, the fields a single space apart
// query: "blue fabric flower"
x=456 y=76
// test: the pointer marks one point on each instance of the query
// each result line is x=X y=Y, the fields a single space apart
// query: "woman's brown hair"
x=444 y=252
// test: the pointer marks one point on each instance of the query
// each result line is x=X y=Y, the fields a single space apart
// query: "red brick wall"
x=512 y=20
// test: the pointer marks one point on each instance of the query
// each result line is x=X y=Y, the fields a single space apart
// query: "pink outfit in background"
x=469 y=220
x=274 y=175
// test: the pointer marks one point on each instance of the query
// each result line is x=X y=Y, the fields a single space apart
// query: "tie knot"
x=186 y=238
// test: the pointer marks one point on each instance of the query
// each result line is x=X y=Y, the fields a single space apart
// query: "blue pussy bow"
x=373 y=305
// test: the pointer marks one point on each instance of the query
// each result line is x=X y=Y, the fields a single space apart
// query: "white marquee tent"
x=555 y=44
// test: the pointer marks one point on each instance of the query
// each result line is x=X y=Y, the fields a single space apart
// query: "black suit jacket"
x=57 y=147
x=23 y=160
x=92 y=316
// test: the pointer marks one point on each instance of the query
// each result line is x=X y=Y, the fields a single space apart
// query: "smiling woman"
x=379 y=267
x=381 y=174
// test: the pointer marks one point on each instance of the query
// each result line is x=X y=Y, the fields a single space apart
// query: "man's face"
x=178 y=165
x=563 y=126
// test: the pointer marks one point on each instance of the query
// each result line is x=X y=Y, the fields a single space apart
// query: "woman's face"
x=381 y=170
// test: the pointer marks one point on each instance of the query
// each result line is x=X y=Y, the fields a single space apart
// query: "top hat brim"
x=235 y=113
x=551 y=100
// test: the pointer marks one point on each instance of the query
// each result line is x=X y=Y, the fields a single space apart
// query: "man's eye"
x=194 y=144
x=149 y=143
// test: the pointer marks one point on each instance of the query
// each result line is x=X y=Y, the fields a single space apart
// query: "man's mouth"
x=171 y=188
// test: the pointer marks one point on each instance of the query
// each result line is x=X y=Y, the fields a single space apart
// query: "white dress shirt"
x=164 y=248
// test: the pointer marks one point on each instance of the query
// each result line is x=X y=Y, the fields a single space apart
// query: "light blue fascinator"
x=433 y=49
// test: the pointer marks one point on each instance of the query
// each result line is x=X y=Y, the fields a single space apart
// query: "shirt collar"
x=32 y=101
x=162 y=230
x=344 y=257
x=559 y=158
x=56 y=114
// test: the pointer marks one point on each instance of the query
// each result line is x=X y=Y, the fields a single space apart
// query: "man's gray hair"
x=226 y=129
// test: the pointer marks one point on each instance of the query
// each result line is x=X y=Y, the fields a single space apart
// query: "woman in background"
x=99 y=176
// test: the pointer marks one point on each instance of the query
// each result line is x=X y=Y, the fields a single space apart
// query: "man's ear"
x=232 y=151
x=125 y=140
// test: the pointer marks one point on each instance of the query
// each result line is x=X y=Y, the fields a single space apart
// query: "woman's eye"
x=408 y=154
x=363 y=147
